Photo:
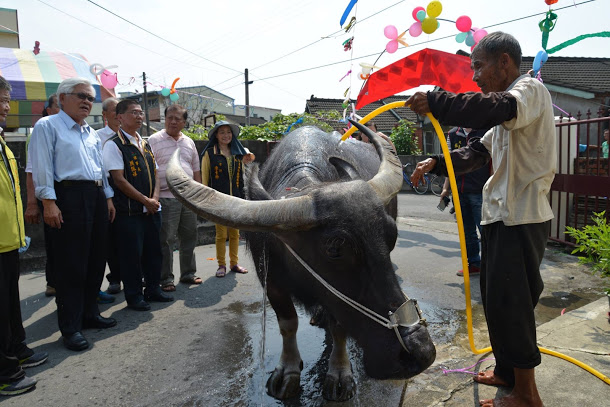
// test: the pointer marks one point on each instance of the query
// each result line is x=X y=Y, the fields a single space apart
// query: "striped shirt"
x=163 y=146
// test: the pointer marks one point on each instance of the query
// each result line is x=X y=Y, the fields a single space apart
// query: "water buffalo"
x=318 y=204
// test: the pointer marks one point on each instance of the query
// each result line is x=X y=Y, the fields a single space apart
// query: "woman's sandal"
x=221 y=272
x=168 y=288
x=239 y=269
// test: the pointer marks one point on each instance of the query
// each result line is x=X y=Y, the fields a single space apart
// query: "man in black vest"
x=133 y=175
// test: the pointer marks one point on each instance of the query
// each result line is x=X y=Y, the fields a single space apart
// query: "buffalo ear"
x=346 y=171
x=254 y=190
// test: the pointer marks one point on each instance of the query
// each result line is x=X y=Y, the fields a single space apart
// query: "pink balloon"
x=478 y=35
x=415 y=29
x=463 y=23
x=415 y=11
x=391 y=46
x=390 y=32
x=109 y=80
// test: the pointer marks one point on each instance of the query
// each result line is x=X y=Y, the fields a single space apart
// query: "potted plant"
x=593 y=246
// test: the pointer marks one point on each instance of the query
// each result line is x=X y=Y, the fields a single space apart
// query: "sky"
x=210 y=43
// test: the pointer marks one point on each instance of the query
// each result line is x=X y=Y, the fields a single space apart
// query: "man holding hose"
x=516 y=212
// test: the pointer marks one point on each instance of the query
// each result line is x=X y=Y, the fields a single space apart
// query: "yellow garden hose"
x=458 y=213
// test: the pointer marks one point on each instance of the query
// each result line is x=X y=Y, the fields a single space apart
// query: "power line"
x=327 y=36
x=161 y=38
x=116 y=36
x=421 y=43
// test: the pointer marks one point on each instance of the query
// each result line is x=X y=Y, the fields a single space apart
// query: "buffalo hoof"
x=283 y=385
x=340 y=388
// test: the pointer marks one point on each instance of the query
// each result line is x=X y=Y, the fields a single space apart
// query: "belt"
x=80 y=183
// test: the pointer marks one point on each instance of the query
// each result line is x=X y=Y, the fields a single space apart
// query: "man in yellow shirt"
x=14 y=353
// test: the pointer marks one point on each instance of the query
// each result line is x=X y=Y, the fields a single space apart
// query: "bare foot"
x=489 y=378
x=511 y=401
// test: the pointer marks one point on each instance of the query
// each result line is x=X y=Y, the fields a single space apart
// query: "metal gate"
x=582 y=183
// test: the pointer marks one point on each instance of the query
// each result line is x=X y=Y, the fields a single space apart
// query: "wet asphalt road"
x=204 y=349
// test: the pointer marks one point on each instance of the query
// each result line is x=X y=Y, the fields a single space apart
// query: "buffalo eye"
x=336 y=247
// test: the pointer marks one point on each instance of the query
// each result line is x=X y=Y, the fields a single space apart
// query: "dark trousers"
x=139 y=252
x=79 y=248
x=11 y=326
x=48 y=270
x=510 y=288
x=114 y=277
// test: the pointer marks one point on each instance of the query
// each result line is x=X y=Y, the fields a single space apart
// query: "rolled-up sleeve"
x=41 y=155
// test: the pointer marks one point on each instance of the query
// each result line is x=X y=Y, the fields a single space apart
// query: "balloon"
x=165 y=92
x=434 y=8
x=429 y=25
x=391 y=46
x=461 y=37
x=415 y=29
x=539 y=60
x=173 y=97
x=109 y=80
x=478 y=35
x=469 y=39
x=416 y=10
x=421 y=14
x=390 y=32
x=463 y=23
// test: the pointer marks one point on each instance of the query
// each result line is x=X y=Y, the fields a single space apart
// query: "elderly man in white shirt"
x=68 y=174
x=176 y=218
x=516 y=212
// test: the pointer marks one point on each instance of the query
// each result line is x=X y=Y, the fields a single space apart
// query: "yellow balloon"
x=429 y=25
x=434 y=8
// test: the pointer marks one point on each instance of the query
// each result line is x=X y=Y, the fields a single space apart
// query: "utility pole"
x=146 y=105
x=247 y=98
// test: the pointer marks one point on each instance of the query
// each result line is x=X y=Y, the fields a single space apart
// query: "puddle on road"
x=241 y=376
x=247 y=379
x=549 y=307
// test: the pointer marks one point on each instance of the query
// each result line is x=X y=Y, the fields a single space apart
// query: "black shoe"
x=17 y=387
x=99 y=322
x=76 y=342
x=158 y=296
x=36 y=359
x=139 y=305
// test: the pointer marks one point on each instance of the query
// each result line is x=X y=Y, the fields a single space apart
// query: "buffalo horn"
x=277 y=215
x=388 y=180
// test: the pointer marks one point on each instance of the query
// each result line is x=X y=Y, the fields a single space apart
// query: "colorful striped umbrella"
x=36 y=77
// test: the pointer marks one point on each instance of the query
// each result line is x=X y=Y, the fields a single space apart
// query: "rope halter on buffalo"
x=407 y=315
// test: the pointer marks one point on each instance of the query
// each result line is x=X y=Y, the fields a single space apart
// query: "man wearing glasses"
x=69 y=179
x=133 y=175
x=176 y=218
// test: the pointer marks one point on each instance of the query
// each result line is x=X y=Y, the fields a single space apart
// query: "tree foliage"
x=593 y=244
x=403 y=137
x=277 y=127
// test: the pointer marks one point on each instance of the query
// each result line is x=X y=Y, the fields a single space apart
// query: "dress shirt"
x=113 y=158
x=61 y=149
x=163 y=146
x=105 y=134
